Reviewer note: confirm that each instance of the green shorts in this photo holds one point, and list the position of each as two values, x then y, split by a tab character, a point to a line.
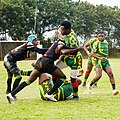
73	61
91	60
101	64
65	91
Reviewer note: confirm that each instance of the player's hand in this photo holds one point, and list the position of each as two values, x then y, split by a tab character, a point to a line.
89	54
103	59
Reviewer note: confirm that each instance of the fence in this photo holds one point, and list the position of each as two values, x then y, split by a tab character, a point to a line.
6	46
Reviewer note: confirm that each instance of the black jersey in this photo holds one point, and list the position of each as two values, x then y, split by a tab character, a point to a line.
51	52
23	51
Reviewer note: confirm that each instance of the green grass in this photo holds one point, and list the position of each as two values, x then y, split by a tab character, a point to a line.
101	105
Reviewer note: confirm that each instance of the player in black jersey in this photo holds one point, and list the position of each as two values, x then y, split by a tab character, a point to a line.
45	64
19	53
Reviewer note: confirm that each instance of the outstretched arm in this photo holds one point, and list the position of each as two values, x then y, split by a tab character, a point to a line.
70	51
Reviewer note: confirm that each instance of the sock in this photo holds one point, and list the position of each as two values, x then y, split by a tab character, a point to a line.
19	88
26	73
91	83
75	94
86	76
95	83
9	82
16	82
75	88
113	86
57	84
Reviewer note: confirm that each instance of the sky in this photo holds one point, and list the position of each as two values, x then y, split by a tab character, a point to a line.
111	3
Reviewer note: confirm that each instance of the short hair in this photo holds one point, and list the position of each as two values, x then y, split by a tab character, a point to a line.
101	32
66	24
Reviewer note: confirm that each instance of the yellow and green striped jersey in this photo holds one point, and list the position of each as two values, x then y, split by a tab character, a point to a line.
101	48
91	42
71	40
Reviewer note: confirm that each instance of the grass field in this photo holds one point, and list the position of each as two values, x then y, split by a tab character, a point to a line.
101	105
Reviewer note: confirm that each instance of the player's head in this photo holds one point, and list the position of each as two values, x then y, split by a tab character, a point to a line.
101	36
65	27
66	24
33	39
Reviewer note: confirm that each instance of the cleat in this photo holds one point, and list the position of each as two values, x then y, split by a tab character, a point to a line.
84	84
10	98
15	98
89	88
50	97
115	92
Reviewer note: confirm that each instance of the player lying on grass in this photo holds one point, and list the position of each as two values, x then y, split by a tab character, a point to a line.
64	92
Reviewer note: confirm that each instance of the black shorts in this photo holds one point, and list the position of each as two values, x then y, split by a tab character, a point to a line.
45	65
10	65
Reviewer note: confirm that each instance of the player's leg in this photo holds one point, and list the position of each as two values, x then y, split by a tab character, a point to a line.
95	79
10	75
87	73
33	76
18	77
9	82
75	64
25	73
60	64
12	69
61	78
75	84
45	85
54	78
90	64
109	72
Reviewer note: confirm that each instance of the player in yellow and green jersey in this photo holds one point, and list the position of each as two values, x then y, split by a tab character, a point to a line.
45	84
91	60
100	52
74	60
64	92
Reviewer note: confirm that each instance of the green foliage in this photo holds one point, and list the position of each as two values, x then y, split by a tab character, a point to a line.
20	17
101	105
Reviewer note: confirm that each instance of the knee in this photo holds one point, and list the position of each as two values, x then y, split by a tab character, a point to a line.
98	76
110	74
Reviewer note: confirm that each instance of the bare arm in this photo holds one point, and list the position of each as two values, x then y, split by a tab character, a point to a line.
86	49
100	58
70	51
